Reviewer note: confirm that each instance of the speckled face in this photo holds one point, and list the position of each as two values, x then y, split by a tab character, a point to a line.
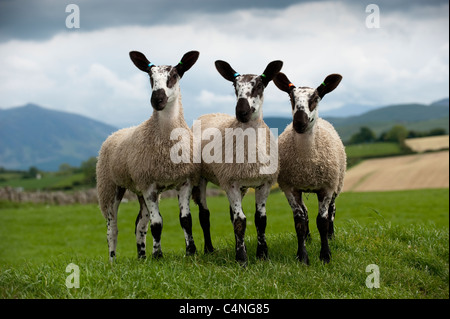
304	102
164	80
249	93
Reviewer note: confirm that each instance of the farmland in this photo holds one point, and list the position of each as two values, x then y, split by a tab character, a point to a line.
430	170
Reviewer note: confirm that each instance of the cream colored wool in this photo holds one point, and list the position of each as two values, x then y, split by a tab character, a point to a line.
312	161
136	157
247	174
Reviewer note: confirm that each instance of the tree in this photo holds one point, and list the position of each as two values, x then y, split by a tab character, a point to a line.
397	133
365	135
88	169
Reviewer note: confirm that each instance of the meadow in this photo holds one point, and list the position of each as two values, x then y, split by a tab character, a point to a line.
404	233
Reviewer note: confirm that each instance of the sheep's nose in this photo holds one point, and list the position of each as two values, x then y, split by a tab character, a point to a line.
243	111
300	121
158	99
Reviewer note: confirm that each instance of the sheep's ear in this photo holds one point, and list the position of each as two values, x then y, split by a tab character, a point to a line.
226	70
140	61
329	84
283	83
187	61
271	70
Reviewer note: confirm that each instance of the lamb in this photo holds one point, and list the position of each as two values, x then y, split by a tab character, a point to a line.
235	177
138	159
312	160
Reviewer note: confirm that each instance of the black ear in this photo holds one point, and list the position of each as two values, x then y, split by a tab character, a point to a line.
140	61
283	83
329	84
271	70
226	70
187	61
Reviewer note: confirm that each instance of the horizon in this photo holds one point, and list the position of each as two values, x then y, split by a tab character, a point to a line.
288	116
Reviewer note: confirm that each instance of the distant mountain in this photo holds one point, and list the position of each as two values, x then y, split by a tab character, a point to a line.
35	136
443	102
419	117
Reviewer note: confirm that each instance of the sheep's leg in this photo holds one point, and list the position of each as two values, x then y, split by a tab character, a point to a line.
151	198
323	224
199	196
239	222
261	194
294	198
112	230
141	228
184	195
299	197
331	214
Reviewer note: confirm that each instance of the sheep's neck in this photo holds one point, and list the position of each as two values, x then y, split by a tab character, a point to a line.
306	140
171	116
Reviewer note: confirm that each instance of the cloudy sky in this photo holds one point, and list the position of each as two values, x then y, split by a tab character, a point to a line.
87	70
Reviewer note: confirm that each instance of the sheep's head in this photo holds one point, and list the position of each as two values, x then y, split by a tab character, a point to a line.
164	79
249	88
305	100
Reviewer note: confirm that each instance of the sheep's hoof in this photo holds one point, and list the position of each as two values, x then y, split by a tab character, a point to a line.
208	249
325	256
157	254
191	250
262	252
142	257
241	257
302	256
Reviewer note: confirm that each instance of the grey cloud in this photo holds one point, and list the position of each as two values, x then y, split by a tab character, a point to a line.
40	20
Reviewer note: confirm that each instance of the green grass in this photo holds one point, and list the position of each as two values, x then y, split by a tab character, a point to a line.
405	233
373	150
48	181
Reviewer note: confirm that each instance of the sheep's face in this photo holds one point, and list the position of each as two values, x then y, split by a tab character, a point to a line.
165	86
249	88
305	100
304	103
250	97
164	79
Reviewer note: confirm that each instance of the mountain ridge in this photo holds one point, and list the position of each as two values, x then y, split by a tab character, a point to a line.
32	135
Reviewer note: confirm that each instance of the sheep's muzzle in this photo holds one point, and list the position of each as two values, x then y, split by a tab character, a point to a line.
243	110
158	99
300	122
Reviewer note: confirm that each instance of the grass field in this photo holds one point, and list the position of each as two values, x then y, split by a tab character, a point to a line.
405	233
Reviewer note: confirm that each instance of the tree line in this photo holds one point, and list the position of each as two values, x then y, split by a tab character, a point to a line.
397	134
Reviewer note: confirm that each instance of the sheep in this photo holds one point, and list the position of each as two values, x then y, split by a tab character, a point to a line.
235	177
138	159
312	160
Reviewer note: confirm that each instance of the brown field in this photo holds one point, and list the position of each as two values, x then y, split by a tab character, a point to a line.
428	170
430	143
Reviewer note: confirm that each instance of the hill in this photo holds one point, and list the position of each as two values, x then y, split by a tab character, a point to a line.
418	117
35	136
